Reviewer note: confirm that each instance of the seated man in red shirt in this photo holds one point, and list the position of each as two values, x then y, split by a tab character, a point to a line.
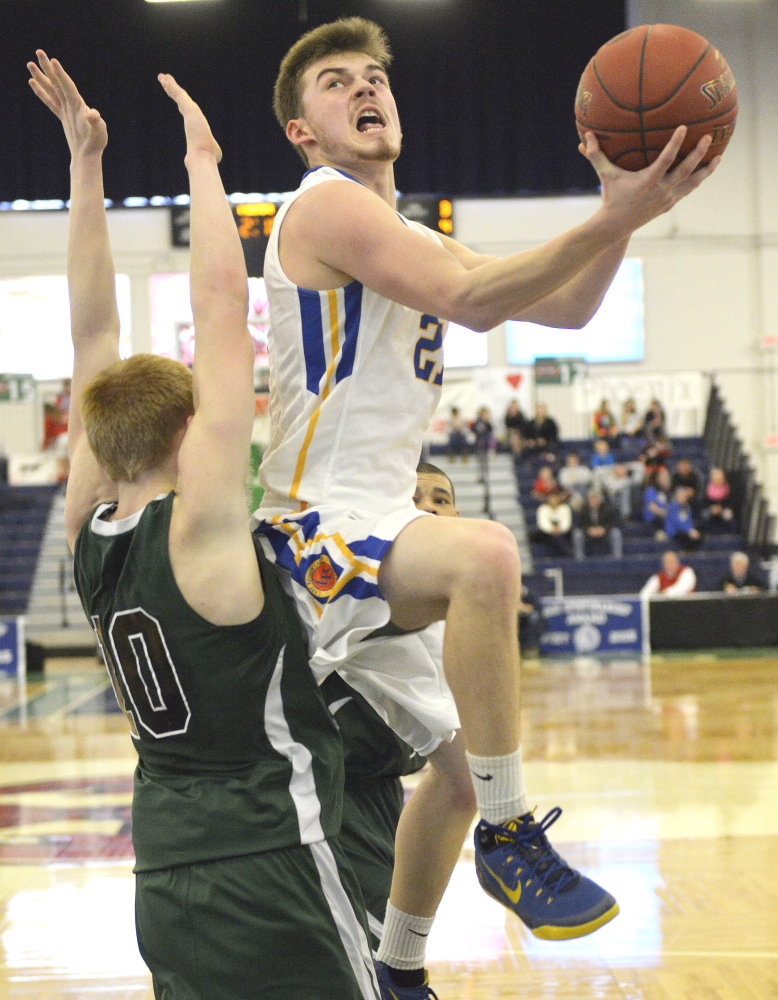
673	579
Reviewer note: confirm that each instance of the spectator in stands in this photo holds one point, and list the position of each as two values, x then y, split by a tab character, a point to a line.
597	529
457	436
656	455
679	521
654	422
554	524
656	499
515	424
575	480
630	424
602	456
545	483
686	475
530	622
741	579
672	580
542	434
617	482
483	431
717	512
604	423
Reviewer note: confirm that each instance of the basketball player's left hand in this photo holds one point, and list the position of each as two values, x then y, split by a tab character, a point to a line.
642	195
199	138
84	128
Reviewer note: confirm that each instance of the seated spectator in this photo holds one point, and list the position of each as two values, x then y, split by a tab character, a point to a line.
597	529
602	456
717	512
655	455
544	484
673	578
617	482
679	521
686	475
483	431
542	434
530	622
654	422
630	424
604	423
575	479
554	524
457	436
515	424
741	579
656	499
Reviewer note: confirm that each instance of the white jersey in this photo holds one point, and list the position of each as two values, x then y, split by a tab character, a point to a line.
354	381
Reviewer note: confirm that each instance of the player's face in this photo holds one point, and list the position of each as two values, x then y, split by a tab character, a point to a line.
349	112
433	494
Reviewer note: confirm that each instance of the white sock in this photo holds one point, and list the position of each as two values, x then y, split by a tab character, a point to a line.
404	940
499	786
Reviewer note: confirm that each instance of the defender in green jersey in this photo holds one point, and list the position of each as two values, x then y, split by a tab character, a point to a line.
375	760
241	893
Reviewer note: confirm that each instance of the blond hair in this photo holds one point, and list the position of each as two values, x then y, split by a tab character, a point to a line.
132	412
349	34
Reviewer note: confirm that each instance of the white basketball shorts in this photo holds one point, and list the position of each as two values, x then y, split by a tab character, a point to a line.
330	558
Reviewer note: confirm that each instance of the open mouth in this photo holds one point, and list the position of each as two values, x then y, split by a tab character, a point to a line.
369	121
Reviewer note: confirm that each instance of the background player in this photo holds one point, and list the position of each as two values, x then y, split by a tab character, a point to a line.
358	300
238	892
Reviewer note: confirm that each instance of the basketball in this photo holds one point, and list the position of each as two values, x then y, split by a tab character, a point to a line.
644	83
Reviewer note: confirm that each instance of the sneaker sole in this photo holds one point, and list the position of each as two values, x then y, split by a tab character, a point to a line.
551	933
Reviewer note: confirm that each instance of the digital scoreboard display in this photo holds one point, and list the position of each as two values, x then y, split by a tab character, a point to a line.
255	223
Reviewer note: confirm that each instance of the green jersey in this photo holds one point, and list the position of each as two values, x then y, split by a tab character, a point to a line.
237	751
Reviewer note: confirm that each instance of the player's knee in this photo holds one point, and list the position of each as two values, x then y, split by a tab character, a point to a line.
490	560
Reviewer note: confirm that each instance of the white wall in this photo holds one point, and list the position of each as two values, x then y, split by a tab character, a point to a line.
710	265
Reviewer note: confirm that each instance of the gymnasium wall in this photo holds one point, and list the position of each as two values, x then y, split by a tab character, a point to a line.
710	265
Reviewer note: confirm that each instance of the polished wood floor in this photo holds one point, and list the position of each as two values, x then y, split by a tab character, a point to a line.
667	773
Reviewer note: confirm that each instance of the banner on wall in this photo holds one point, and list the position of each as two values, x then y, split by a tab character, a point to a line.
684	395
12	648
493	387
582	626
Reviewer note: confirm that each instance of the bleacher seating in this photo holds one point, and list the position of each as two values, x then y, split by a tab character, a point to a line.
24	511
606	575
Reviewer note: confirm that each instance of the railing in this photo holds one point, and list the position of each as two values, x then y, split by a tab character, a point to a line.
757	524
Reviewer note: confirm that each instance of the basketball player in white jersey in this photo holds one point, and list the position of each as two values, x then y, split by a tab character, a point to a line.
359	300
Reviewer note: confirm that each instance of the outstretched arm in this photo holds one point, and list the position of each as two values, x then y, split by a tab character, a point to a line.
346	231
94	318
214	455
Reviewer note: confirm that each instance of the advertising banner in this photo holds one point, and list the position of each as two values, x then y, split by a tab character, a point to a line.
582	626
12	649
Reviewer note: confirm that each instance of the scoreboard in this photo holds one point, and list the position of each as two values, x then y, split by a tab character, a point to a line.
255	223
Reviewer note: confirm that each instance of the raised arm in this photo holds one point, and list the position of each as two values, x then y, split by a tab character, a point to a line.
214	455
94	318
352	233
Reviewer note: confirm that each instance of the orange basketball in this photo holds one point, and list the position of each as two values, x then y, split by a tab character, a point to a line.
644	83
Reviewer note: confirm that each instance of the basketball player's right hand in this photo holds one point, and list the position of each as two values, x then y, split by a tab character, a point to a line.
199	138
635	197
84	128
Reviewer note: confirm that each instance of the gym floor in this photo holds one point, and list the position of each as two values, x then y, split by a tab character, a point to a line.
667	772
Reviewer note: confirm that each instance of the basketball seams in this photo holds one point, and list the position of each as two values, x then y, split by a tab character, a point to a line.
659	128
641	68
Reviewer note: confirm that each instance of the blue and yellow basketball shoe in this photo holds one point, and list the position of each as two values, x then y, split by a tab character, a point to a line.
520	869
389	991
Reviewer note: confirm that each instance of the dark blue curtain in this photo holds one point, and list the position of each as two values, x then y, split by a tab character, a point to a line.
485	89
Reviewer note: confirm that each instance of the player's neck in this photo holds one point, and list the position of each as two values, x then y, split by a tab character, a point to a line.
134	496
377	175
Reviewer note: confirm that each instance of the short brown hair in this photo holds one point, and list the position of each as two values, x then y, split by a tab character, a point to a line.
132	411
349	34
